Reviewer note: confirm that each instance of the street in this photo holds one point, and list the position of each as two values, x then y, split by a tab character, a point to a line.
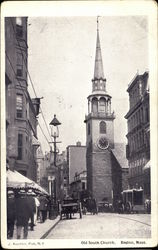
103	225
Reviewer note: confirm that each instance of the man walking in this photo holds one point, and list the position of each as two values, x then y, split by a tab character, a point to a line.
10	213
32	207
22	214
43	208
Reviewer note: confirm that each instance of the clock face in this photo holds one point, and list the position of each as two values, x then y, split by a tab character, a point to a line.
103	143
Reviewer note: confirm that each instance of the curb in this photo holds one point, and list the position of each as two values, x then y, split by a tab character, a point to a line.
50	229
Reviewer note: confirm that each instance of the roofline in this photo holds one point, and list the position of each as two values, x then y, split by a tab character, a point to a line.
133	81
99	94
76	146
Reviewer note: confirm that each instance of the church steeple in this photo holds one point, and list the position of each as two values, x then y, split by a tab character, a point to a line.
98	80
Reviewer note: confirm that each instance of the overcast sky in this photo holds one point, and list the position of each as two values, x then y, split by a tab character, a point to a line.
61	58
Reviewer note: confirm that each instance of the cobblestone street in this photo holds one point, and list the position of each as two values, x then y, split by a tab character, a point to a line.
105	226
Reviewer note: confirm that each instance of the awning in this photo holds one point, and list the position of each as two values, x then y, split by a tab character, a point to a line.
17	180
147	166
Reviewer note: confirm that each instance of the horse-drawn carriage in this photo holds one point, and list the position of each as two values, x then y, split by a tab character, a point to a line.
132	201
69	207
89	205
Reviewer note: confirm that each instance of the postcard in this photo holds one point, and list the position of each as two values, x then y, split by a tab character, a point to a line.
78	124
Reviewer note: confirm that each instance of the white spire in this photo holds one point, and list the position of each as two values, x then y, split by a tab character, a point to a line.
98	68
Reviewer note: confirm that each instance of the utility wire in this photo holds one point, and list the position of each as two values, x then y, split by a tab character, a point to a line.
24	93
44	134
30	78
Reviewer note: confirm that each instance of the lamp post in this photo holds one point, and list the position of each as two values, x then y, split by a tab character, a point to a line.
54	133
53	168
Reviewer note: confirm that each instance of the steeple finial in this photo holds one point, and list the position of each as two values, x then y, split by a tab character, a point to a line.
98	23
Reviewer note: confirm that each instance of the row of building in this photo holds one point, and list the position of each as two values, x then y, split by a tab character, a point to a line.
102	168
21	110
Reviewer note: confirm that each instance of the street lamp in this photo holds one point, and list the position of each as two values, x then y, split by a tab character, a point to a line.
55	133
53	173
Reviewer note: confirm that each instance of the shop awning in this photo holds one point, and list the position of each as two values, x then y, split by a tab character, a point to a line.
17	180
147	166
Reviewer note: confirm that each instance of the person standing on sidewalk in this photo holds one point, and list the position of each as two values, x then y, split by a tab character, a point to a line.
37	203
43	208
10	213
32	207
22	214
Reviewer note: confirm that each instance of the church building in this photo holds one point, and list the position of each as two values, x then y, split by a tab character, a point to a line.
104	170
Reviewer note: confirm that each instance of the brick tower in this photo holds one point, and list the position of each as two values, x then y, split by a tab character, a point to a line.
99	133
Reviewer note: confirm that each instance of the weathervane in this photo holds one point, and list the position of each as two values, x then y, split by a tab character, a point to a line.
98	22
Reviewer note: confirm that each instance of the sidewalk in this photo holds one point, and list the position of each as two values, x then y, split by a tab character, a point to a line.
41	230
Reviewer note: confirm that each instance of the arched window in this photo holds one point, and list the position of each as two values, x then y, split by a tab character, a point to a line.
102	105
102	127
94	105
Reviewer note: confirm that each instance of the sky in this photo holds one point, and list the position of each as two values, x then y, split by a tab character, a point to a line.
61	58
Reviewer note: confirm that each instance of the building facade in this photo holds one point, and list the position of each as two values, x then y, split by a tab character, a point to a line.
55	179
40	165
104	172
76	160
78	188
138	136
21	110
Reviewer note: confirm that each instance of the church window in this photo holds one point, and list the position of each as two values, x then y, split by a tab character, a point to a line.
95	105
102	105
102	127
96	85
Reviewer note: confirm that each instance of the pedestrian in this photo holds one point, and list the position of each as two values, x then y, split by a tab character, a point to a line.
84	208
38	208
37	203
49	206
43	208
32	207
22	213
10	213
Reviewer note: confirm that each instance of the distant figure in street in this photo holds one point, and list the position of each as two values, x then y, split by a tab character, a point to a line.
84	208
22	214
32	207
120	206
37	203
10	213
43	208
49	206
92	205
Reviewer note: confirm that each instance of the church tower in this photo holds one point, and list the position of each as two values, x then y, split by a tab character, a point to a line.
99	133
